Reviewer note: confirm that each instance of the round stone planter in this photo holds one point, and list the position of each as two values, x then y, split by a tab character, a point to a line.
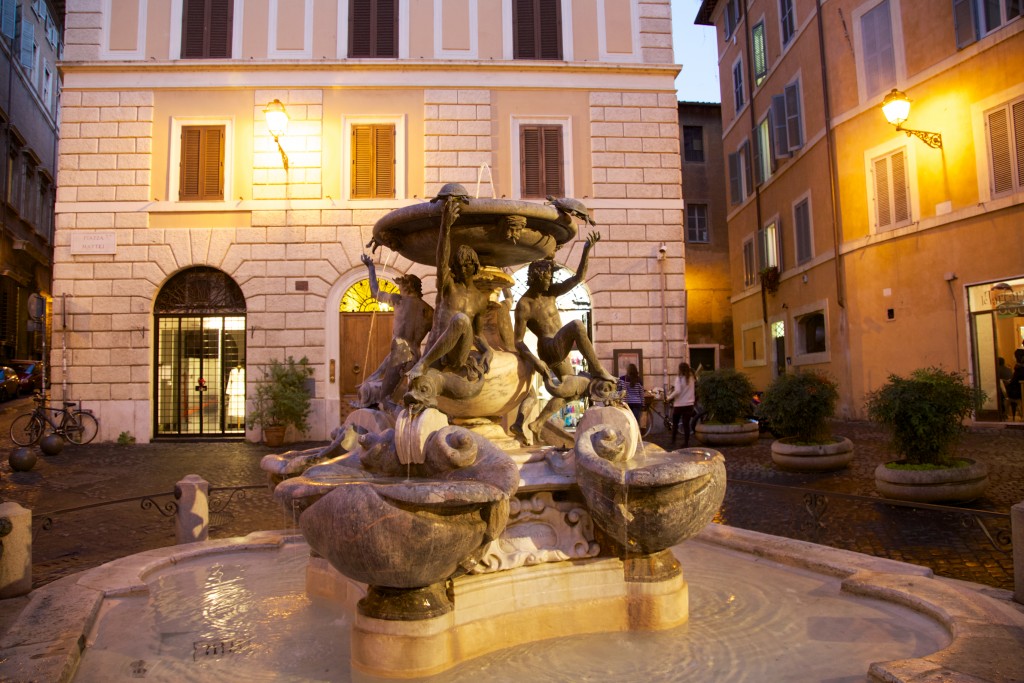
812	457
954	484
735	434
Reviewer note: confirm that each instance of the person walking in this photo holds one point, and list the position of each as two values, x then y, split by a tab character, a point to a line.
682	396
634	388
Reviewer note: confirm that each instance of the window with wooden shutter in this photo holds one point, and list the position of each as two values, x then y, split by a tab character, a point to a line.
1005	129
206	29
749	266
737	85
373	28
537	26
202	163
541	158
760	53
892	191
735	179
963	23
877	49
787	20
373	161
802	230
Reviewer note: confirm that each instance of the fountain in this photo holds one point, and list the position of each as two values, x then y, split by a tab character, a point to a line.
447	500
441	535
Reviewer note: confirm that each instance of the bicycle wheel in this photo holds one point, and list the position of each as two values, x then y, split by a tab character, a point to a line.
26	429
81	427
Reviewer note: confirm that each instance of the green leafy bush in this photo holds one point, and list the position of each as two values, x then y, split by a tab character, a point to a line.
924	413
800	405
725	394
281	397
125	439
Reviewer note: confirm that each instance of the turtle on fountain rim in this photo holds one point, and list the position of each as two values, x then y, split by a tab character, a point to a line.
573	207
456	190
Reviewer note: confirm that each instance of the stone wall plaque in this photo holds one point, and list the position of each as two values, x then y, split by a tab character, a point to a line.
94	242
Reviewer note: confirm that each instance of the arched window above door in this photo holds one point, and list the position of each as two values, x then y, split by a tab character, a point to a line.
200	289
358	299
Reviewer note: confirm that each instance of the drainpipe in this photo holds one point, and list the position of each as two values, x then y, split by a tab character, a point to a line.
664	316
837	216
749	68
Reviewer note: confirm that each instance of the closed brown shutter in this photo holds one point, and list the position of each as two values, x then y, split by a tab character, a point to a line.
202	163
883	212
538	29
219	34
373	161
373	28
552	136
900	190
206	29
541	160
529	145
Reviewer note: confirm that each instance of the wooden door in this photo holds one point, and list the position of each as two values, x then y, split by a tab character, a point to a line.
365	342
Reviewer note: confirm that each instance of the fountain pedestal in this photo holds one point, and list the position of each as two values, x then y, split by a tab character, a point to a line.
499	610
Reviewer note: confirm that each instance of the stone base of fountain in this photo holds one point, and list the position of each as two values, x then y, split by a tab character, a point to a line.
504	609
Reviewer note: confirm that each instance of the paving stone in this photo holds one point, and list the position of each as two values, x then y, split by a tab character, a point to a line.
949	541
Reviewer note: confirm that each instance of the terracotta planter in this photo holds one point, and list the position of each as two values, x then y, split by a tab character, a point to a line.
273	436
953	484
735	434
812	457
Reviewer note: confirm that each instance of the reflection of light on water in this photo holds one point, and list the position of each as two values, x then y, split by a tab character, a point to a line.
245	616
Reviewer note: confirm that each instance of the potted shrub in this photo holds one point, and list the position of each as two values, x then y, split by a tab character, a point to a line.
281	399
800	407
725	396
925	415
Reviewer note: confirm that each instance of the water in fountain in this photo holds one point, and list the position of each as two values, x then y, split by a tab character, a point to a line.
245	616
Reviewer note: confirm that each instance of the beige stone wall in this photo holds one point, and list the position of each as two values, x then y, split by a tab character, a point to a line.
289	233
457	137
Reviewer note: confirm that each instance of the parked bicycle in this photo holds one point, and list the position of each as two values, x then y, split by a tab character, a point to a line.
647	414
75	425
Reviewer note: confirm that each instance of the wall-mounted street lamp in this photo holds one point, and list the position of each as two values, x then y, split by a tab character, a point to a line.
277	124
896	107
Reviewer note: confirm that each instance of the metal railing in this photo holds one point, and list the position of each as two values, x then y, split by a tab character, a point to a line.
961	542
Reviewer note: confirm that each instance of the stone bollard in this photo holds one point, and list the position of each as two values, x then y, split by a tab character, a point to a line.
193	518
1017	539
16	556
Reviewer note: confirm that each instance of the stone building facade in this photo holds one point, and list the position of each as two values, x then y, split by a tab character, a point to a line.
190	244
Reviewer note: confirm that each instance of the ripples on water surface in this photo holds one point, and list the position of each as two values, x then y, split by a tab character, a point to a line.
245	617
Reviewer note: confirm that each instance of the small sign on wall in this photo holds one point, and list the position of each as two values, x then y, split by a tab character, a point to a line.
94	242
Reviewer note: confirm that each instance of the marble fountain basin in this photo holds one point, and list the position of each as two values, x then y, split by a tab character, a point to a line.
763	608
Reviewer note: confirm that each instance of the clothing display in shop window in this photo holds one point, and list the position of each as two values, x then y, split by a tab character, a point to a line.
235	391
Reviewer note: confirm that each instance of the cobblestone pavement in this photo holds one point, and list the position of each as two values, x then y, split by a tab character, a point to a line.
760	497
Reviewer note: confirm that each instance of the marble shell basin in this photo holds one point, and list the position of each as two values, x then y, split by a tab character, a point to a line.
399	532
654	500
412	231
401	535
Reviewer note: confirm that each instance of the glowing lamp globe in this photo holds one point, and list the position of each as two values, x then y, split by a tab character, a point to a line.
896	107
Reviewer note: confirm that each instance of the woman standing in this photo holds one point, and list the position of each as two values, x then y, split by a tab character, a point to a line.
682	397
634	388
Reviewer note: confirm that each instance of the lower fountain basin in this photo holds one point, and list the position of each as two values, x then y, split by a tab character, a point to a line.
208	612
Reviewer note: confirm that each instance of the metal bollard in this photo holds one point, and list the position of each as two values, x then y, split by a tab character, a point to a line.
1017	539
15	550
192	522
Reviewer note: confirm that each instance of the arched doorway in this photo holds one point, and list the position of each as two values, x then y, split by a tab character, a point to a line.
200	355
365	333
